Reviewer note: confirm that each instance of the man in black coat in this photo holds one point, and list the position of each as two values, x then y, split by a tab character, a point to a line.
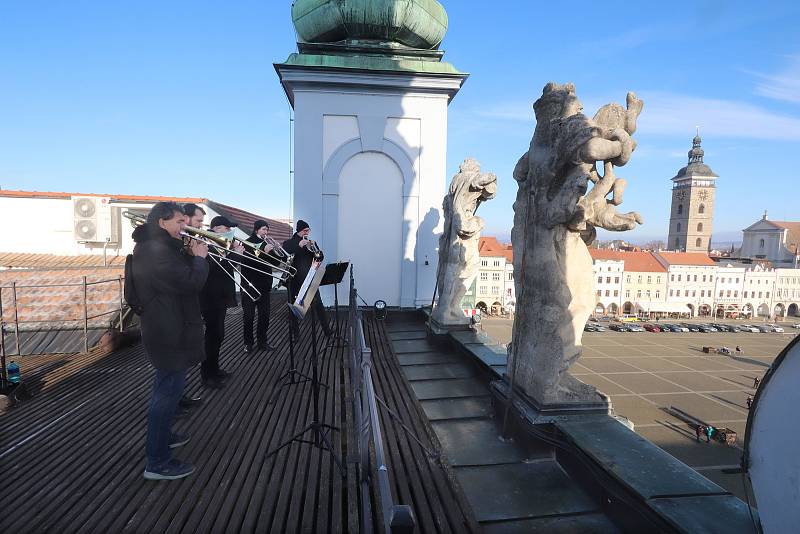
219	294
303	260
168	281
256	272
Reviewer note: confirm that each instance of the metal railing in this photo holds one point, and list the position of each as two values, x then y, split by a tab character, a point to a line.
396	518
81	323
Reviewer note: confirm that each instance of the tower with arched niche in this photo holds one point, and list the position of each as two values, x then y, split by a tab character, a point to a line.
692	212
370	94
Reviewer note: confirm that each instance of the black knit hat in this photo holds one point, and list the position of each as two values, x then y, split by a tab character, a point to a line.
301	225
259	224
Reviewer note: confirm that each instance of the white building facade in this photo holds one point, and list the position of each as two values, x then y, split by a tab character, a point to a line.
370	137
758	292
608	275
728	291
787	293
775	241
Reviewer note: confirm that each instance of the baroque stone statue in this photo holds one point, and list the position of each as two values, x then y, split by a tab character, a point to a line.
458	244
555	216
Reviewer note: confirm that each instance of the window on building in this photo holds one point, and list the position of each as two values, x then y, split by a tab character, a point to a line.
767	294
616	292
484	276
628	279
484	263
680	212
640	279
701	209
761	243
658	279
678	227
599	279
695	278
608	279
658	294
510	276
672	278
599	293
649	279
616	279
670	292
704	278
728	293
679	278
627	293
495	290
482	289
736	293
694	293
497	263
678	293
759	294
720	293
698	242
638	293
496	277
608	293
647	293
677	243
711	278
699	227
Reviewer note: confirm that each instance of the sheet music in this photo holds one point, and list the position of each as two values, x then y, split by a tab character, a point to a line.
301	295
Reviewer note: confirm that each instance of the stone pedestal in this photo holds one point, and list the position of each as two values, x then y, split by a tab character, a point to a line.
536	412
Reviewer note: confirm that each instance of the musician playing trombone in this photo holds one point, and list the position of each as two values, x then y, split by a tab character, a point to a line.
260	276
306	254
217	296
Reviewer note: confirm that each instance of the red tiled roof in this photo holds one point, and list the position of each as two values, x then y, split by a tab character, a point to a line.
490	246
637	262
793	234
48	304
279	230
18	260
125	198
686	258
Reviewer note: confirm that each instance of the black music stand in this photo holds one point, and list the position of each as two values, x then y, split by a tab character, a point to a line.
291	376
318	429
334	273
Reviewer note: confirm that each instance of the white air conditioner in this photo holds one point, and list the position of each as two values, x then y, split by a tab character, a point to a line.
91	219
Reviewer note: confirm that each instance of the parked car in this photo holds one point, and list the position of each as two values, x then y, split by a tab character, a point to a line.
593	319
629	319
589	328
605	318
635	328
734	328
722	327
750	328
764	329
776	328
706	329
796	325
651	327
619	327
690	327
598	328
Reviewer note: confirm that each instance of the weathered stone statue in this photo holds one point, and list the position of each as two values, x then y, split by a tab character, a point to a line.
458	244
554	218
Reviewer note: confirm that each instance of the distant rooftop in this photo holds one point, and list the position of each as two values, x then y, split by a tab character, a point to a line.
641	262
686	258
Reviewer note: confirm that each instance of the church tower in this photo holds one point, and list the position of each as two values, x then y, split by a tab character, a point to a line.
692	213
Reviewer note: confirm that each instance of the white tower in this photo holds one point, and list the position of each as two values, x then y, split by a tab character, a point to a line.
370	95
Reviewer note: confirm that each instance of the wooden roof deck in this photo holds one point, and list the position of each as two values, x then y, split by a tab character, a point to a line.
72	458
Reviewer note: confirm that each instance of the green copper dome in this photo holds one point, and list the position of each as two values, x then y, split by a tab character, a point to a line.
419	24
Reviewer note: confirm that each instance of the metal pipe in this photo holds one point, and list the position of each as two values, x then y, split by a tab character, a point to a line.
120	305
85	319
16	317
4	371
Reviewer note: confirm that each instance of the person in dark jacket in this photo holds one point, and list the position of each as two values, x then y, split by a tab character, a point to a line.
219	294
256	274
168	280
303	260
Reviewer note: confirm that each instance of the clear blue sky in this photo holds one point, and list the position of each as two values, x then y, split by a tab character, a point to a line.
180	97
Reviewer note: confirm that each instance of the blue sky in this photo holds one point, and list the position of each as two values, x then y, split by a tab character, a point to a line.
180	97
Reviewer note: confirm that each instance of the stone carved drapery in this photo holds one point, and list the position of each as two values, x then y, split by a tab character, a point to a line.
458	244
554	218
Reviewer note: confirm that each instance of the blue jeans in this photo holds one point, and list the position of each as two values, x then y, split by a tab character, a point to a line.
167	390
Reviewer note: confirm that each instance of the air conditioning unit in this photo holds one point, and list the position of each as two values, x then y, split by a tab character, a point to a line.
91	219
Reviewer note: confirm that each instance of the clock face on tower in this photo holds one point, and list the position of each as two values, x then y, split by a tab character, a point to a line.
682	195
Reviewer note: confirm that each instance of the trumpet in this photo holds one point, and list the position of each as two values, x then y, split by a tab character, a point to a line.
312	247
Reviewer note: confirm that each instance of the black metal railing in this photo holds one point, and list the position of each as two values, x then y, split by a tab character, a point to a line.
396	518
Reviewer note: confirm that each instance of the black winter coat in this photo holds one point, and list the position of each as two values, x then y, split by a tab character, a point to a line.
168	282
220	289
263	282
302	262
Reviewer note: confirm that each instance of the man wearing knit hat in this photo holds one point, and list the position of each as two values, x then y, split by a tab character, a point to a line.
255	271
303	260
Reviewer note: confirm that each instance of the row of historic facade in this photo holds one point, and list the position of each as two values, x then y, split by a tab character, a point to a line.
654	284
